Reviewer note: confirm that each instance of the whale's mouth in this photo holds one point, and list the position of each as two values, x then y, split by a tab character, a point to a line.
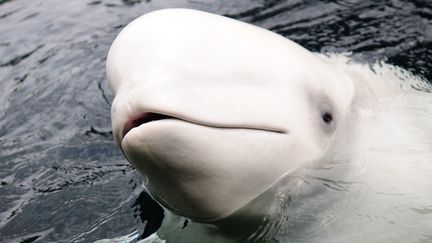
146	117
142	118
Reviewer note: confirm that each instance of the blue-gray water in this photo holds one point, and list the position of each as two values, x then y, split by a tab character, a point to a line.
62	179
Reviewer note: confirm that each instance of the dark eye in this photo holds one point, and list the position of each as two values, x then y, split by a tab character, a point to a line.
327	117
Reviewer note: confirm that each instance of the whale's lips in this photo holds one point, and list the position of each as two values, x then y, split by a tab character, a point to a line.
142	118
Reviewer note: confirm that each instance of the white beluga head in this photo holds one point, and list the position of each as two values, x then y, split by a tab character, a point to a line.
213	111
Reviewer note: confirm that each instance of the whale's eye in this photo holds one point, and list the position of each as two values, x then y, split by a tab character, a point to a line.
327	117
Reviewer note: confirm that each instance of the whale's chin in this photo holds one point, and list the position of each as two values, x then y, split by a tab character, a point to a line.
186	172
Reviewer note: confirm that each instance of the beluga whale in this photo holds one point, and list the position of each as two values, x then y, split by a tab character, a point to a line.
251	137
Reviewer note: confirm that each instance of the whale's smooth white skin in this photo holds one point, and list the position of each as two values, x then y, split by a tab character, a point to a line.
246	107
246	139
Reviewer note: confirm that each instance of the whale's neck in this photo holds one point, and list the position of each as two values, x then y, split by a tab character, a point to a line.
257	221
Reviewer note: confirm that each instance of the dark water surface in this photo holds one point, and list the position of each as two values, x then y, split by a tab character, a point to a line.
62	179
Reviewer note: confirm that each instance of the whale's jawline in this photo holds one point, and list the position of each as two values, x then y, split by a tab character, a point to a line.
143	118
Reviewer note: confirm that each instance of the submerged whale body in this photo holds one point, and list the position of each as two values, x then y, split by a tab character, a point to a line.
253	137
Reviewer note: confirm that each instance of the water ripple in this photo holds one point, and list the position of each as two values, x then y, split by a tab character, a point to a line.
58	160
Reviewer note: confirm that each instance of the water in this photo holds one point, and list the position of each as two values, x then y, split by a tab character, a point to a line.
62	179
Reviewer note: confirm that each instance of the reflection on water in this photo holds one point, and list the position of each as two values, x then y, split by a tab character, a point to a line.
61	176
